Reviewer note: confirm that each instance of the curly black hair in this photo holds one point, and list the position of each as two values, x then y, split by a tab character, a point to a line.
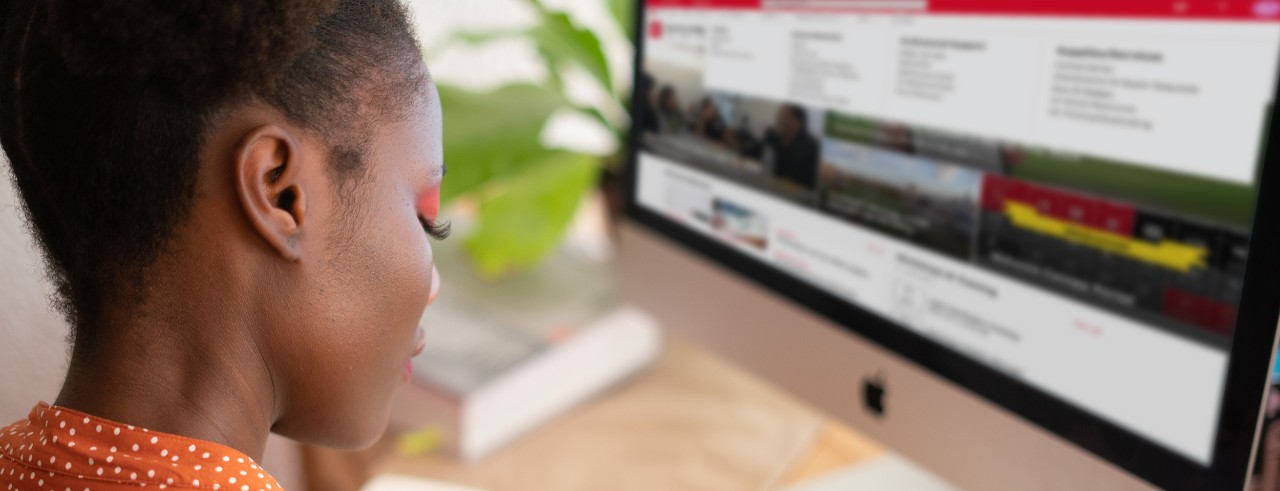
104	104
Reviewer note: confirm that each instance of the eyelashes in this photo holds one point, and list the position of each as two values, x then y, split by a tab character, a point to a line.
437	231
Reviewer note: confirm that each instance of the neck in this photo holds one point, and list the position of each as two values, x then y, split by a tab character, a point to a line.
188	370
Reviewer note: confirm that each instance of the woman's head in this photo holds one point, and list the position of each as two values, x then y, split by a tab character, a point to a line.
271	164
667	98
708	108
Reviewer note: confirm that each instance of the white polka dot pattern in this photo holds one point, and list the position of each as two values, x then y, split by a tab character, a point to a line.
57	448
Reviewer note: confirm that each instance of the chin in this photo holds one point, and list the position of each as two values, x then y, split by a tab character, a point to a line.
368	439
341	433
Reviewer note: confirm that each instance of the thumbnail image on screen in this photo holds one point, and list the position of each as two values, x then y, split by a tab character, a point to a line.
1164	248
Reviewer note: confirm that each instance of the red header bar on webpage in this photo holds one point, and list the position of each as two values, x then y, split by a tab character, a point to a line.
1162	9
706	4
1267	10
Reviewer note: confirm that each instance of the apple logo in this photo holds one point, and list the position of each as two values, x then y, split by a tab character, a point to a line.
873	389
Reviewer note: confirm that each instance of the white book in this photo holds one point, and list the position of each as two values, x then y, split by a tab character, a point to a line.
391	482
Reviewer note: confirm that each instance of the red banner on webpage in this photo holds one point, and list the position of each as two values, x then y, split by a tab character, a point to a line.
1267	10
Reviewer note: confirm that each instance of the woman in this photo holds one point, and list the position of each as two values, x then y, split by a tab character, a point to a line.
230	197
710	125
670	115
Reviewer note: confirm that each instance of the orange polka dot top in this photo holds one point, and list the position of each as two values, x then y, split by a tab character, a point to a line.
57	449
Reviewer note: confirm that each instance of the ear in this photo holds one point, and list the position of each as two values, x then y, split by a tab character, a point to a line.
267	169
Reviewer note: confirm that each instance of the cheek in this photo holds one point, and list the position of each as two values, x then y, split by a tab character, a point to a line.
411	259
377	319
397	286
403	278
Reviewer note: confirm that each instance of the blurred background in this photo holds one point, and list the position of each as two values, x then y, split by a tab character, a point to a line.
534	95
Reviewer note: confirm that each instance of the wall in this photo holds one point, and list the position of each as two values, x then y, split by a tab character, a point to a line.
33	349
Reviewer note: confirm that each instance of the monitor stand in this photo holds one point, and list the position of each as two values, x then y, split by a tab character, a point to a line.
889	471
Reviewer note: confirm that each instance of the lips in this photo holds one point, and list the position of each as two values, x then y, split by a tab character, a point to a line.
419	342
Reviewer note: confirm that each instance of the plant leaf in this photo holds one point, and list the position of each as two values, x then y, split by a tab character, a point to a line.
518	227
493	134
596	114
560	40
623	12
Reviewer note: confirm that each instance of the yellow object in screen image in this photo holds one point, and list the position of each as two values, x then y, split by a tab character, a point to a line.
1166	253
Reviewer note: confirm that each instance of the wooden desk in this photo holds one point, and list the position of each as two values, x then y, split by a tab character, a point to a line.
691	422
837	446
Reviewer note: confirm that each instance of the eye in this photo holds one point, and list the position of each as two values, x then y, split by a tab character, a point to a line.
437	231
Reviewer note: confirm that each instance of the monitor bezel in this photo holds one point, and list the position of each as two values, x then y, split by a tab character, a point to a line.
1248	364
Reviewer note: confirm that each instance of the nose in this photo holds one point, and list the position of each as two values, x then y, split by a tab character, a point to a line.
435	285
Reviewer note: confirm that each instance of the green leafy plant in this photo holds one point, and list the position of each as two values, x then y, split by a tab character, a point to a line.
525	192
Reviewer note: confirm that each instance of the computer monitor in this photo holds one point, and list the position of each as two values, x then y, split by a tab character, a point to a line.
1024	243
